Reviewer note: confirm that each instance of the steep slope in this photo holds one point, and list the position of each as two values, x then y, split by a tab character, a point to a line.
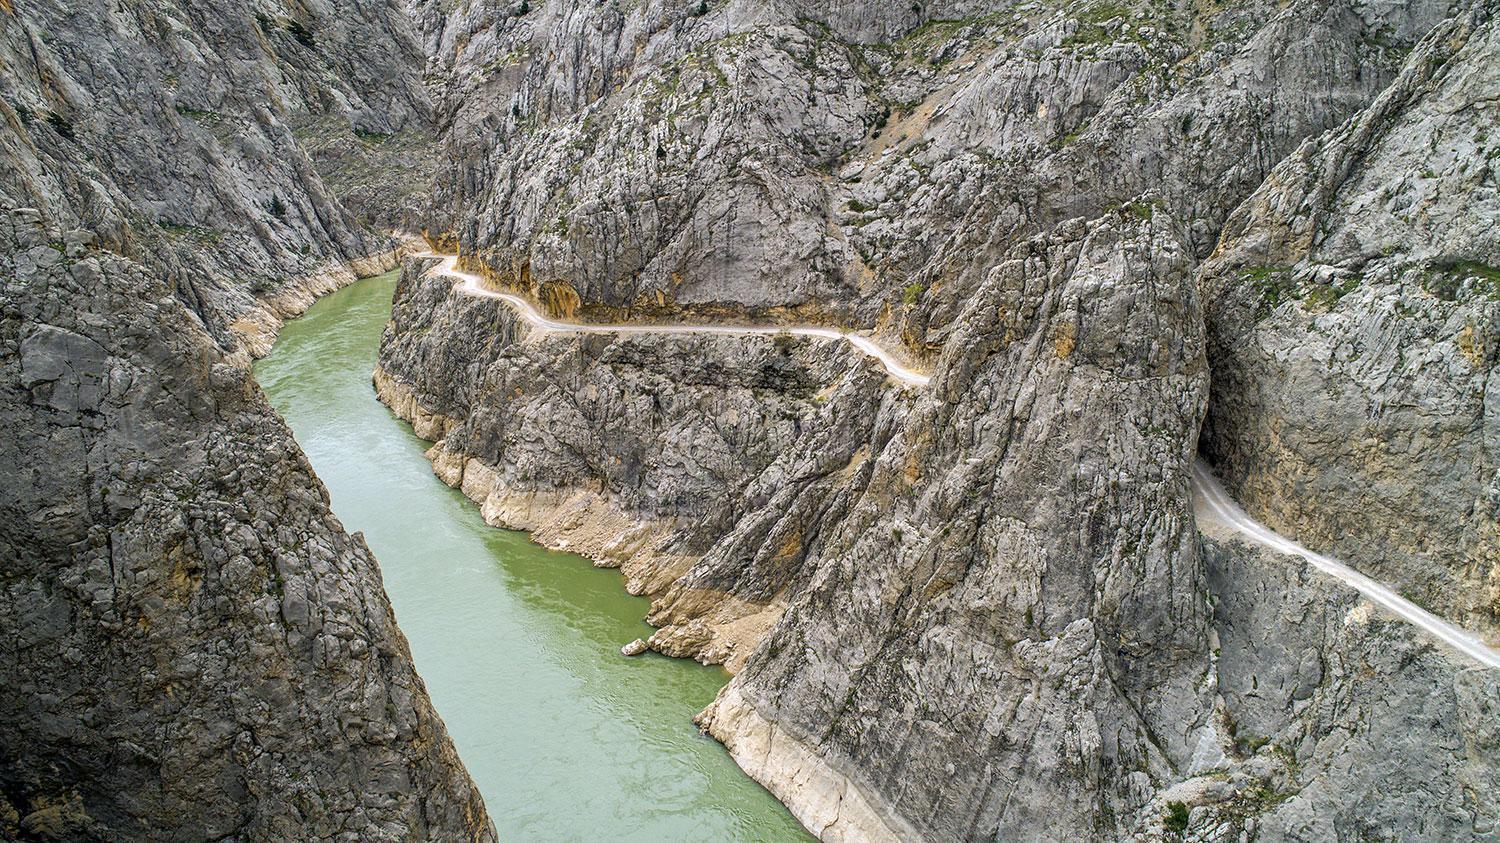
1355	333
980	610
191	137
193	646
754	158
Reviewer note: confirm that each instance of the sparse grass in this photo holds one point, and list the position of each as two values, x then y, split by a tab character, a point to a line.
203	118
1092	22
1275	283
1322	297
1139	210
1449	281
1063	140
198	232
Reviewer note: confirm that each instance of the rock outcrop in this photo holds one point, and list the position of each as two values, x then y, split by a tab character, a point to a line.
1355	335
1343	723
194	648
195	139
984	610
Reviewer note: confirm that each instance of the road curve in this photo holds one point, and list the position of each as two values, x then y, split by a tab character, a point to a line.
1218	505
1213	499
473	285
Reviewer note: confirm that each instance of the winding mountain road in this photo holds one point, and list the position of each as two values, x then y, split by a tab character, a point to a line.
1214	502
473	285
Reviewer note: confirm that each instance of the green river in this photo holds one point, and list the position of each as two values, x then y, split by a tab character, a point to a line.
519	646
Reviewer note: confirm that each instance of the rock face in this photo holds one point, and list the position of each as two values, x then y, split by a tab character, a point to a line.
980	610
767	157
985	610
195	138
1351	725
1356	331
193	648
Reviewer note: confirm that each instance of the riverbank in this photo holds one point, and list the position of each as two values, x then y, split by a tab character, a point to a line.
518	645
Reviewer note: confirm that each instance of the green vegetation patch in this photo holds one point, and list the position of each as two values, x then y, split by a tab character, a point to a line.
197	232
1277	285
1462	279
912	292
1092	24
1141	210
371	137
1176	819
207	119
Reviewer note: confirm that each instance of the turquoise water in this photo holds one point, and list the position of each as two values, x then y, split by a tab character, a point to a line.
519	646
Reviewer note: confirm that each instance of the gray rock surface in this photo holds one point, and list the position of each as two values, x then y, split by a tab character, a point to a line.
194	139
1355	334
980	611
192	647
1345	723
647	159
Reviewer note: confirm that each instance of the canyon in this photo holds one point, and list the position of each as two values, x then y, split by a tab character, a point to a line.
967	379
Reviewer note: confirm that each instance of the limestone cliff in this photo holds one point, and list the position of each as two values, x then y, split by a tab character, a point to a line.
1356	334
984	610
194	648
194	138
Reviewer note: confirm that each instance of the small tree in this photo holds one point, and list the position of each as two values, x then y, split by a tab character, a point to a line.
1177	817
277	209
62	125
701	9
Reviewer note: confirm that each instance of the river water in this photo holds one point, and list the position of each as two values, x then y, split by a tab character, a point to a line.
519	646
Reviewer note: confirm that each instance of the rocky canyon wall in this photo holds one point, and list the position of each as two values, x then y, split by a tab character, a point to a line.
984	609
194	648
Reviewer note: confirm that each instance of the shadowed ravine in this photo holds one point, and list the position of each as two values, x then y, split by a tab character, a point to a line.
519	646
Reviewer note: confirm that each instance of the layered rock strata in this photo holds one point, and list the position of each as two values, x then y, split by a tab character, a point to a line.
194	647
982	610
1356	334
